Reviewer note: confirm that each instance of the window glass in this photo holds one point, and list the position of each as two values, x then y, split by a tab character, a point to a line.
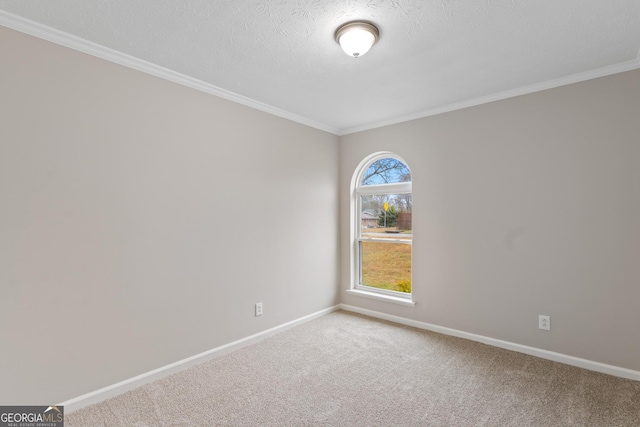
394	222
386	171
386	266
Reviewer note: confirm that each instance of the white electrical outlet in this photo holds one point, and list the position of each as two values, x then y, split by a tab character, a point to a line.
258	309
544	322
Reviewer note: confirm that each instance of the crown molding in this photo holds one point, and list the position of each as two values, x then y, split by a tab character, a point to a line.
550	84
44	32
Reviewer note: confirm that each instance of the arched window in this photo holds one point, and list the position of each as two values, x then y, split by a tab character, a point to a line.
382	234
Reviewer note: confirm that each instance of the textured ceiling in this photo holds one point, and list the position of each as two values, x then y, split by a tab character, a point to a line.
431	54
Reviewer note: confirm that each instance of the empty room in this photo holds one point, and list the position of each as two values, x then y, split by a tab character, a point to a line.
207	213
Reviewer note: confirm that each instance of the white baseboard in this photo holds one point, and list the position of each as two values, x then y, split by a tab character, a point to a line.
544	354
97	396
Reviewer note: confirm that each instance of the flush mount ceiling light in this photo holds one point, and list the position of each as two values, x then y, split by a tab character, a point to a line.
357	37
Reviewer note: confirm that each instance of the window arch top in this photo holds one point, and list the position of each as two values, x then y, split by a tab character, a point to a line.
387	170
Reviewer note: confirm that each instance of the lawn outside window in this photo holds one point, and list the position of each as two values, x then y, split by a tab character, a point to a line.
382	231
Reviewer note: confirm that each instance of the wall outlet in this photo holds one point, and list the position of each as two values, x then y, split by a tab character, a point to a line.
544	322
258	309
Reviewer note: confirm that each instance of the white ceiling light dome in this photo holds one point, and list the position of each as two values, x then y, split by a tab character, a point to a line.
357	37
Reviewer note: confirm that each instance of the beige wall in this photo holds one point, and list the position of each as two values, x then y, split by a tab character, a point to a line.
522	207
141	220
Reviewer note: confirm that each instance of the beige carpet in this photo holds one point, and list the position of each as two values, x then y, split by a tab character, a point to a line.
345	369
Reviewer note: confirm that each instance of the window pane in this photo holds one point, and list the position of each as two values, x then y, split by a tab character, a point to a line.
386	171
386	265
394	222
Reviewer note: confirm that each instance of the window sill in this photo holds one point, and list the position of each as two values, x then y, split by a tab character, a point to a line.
380	297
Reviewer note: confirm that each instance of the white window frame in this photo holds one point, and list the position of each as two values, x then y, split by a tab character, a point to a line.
357	190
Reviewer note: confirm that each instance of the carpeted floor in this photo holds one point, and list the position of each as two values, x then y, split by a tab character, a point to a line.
345	369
